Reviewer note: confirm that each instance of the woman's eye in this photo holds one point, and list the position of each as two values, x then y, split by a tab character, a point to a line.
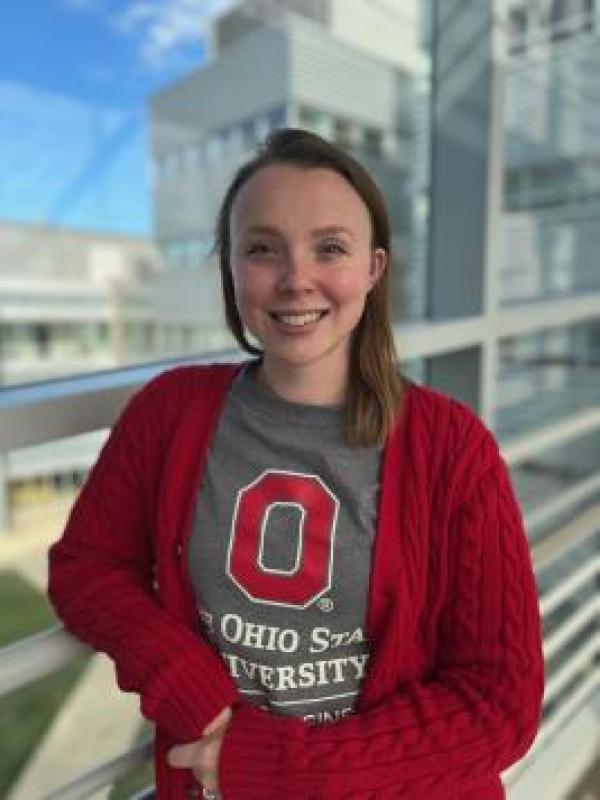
332	248
258	249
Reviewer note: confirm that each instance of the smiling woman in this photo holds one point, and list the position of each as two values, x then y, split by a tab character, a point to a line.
312	570
304	245
301	281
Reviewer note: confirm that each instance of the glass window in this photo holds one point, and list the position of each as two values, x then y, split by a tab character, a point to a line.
551	229
373	141
314	120
343	132
517	30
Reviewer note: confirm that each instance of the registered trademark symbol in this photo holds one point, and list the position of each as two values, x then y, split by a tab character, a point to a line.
207	619
326	604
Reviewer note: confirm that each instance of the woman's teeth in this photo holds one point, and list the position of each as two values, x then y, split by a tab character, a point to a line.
299	319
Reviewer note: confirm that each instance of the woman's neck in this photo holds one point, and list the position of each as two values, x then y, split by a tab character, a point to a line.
303	384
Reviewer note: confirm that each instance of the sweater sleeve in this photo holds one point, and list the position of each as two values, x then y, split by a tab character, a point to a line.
475	714
101	583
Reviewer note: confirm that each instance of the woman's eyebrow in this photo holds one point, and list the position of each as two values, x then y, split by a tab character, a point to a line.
330	229
327	230
262	229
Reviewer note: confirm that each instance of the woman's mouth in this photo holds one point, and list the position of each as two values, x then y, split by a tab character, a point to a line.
298	318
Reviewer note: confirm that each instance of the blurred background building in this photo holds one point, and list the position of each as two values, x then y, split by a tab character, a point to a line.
480	120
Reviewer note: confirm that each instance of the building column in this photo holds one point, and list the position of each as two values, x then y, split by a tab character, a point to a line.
467	45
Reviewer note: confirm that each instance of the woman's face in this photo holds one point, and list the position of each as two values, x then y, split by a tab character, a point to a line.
302	265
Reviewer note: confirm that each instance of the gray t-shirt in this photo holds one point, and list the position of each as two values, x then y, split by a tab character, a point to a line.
280	552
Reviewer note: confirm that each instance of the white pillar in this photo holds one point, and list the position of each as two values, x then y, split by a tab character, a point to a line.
466	168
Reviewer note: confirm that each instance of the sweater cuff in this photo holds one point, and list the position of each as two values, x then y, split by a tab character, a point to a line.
258	755
189	692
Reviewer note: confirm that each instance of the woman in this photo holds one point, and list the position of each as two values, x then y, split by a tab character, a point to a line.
313	571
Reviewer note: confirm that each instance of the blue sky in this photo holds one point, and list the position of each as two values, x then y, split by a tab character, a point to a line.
75	76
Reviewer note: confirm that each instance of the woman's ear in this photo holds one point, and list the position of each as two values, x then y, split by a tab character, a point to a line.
378	265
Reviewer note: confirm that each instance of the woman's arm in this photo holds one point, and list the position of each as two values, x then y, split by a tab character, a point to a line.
101	581
476	715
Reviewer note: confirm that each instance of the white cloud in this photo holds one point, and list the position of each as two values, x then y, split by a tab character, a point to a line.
164	26
161	29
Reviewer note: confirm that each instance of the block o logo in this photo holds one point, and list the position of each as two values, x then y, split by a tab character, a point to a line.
311	575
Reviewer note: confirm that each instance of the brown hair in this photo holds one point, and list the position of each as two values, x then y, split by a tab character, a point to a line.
375	385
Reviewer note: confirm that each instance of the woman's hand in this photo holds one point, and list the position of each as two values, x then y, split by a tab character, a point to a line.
202	756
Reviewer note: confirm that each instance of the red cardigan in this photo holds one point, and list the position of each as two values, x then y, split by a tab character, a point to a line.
454	686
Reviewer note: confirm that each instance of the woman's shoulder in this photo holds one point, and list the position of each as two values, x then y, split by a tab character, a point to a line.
189	378
167	395
452	434
439	410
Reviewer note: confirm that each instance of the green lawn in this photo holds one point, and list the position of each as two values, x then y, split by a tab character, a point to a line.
26	713
24	610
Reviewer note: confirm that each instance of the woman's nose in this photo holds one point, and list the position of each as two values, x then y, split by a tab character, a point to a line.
297	273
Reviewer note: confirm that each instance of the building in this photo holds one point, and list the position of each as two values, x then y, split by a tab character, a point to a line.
74	302
310	64
62	297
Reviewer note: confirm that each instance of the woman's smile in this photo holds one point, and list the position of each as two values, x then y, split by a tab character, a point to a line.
298	320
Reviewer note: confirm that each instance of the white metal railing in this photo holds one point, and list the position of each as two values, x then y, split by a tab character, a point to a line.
561	503
555	598
37	656
583	616
580	695
104	775
50	410
86	403
581	661
578	669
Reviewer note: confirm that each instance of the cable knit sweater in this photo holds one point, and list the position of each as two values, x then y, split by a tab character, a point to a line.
453	689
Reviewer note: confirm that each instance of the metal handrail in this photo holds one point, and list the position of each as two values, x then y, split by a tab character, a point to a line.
550	510
571	627
553	599
551	725
36	656
36	413
77	404
579	661
103	775
146	794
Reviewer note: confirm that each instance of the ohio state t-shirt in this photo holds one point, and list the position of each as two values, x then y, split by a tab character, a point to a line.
280	552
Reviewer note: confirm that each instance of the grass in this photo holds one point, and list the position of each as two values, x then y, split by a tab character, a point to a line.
25	611
26	713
